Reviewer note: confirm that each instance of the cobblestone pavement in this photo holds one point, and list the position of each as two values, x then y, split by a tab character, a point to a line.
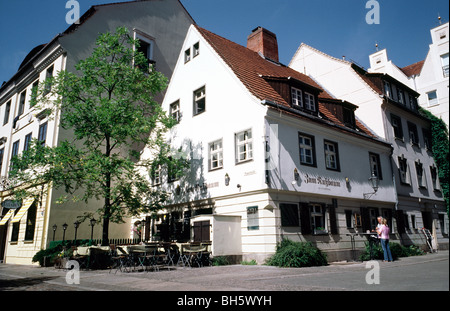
428	272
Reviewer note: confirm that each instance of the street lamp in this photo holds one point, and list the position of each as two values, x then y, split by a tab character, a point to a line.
64	231
375	183
54	231
76	224
92	223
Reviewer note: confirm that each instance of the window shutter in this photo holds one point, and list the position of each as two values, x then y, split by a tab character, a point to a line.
305	218
333	220
400	218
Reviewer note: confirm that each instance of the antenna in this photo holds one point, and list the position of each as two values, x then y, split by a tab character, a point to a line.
376	46
439	18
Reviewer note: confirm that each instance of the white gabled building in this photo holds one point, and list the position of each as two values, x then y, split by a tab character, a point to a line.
160	25
271	155
389	107
428	77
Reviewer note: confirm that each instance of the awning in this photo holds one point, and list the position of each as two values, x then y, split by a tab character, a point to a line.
26	205
6	217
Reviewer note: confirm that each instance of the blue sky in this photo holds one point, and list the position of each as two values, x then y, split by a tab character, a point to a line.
335	27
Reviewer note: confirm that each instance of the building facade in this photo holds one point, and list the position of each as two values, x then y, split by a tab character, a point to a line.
389	108
428	77
272	155
160	26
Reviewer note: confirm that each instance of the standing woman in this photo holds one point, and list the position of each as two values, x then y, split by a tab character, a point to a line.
383	231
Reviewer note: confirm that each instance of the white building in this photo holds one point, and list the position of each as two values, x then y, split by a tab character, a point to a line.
389	108
271	154
428	77
160	26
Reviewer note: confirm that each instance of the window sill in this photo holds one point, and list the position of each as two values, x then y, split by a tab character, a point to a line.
244	161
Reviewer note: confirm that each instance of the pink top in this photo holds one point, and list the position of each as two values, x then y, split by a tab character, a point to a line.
384	232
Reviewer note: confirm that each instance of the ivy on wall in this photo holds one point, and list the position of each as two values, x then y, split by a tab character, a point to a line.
440	141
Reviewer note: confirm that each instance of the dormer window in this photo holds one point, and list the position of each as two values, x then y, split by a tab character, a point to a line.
349	117
310	102
297	97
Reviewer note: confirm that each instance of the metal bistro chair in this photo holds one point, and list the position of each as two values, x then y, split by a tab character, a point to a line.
194	253
120	259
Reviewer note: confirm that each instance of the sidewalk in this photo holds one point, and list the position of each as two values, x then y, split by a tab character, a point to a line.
428	272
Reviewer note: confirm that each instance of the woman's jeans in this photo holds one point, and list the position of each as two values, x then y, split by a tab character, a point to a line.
386	250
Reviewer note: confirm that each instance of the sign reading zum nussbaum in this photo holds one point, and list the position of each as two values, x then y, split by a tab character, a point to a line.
12	204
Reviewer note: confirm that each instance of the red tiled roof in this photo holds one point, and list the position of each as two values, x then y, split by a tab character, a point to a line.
414	69
250	68
255	71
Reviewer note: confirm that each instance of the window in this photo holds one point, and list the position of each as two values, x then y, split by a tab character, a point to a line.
444	62
349	117
427	139
297	97
215	155
397	126
199	101
42	133
387	89
187	55
331	155
413	136
375	165
317	213
252	218
23	96
48	80
31	223
7	111
34	93
400	96
14	152
403	170
244	146
173	171
310	102
420	174
289	215
432	98
156	174
434	177
412	102
27	142
175	111
145	47
196	49
307	150
2	152
413	222
349	219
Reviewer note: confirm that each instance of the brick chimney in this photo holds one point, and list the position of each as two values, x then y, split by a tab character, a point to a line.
263	42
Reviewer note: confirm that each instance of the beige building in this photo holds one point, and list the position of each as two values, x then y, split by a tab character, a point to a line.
160	26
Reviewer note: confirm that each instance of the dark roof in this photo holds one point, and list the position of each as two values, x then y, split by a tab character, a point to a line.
32	53
255	72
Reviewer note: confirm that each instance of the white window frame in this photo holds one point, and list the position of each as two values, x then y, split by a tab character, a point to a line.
306	150
444	62
331	155
199	95
196	49
216	155
420	172
175	111
310	102
317	213
142	36
187	55
297	97
404	171
244	146
433	101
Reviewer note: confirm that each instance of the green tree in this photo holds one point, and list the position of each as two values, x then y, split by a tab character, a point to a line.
108	106
440	142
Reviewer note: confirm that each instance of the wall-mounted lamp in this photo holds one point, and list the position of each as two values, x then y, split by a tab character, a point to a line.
375	182
227	179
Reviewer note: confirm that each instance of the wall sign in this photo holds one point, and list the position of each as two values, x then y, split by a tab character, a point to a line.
12	204
325	181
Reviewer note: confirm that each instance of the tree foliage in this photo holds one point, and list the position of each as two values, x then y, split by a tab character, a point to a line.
108	106
440	142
